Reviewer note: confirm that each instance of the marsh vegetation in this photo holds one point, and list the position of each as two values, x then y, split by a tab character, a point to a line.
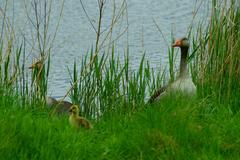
113	96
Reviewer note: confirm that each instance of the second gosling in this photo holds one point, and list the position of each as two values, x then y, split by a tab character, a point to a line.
76	121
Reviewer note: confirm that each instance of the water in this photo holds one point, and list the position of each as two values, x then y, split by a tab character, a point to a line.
75	35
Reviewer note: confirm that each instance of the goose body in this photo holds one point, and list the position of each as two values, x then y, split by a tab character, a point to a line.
61	107
183	83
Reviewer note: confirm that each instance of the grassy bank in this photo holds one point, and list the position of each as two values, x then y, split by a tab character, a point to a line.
179	129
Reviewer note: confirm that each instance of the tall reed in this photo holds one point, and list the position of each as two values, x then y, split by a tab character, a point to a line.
110	85
14	72
218	54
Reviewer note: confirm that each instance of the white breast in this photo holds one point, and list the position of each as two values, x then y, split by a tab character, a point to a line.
183	84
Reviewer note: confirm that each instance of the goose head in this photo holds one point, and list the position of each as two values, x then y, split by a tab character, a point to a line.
182	43
37	65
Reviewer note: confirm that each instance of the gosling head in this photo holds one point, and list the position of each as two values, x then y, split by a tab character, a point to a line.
74	110
182	43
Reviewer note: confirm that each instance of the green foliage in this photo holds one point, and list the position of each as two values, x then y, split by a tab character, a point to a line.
217	57
174	129
103	83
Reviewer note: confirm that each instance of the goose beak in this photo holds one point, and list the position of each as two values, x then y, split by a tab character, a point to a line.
32	66
177	43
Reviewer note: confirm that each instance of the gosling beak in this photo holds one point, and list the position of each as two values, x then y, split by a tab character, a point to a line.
70	110
177	43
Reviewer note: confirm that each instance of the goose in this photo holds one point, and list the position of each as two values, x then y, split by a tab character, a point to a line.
184	82
61	107
77	121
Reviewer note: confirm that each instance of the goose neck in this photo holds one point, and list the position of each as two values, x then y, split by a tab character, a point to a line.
183	61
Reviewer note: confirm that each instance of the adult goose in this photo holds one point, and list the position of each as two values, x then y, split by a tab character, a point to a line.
184	82
60	107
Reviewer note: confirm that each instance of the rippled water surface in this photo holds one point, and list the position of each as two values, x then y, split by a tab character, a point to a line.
75	35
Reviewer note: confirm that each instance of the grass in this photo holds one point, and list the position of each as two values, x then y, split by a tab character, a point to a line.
113	97
179	129
108	82
217	56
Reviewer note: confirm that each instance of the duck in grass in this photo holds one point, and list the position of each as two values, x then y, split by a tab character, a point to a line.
76	121
184	82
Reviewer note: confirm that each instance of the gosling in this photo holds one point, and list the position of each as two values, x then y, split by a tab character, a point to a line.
76	121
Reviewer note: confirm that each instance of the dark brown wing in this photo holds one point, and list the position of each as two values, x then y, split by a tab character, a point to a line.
157	94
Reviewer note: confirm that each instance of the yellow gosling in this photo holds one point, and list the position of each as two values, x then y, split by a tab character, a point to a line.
76	121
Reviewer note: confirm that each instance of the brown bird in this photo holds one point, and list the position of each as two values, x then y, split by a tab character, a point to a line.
183	82
76	121
60	107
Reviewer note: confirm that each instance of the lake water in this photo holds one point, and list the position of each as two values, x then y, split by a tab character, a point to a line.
76	36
